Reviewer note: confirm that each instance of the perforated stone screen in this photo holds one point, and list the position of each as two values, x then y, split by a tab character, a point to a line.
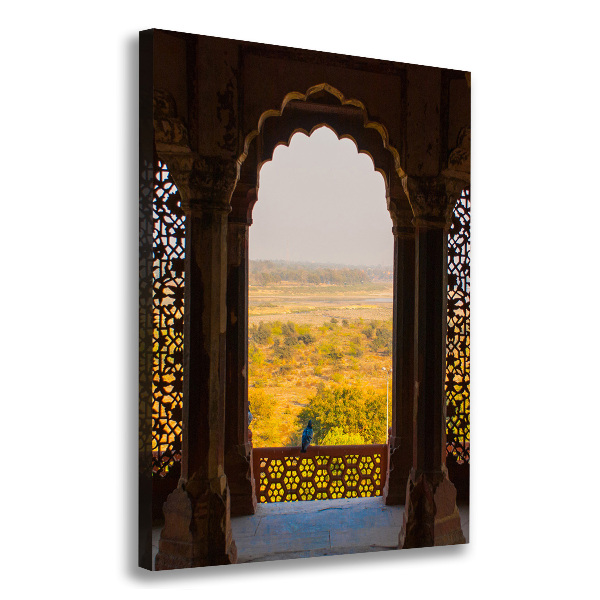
323	473
168	293
458	335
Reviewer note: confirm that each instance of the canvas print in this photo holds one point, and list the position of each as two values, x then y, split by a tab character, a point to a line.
304	303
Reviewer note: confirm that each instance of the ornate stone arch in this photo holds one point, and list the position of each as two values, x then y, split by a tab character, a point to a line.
323	105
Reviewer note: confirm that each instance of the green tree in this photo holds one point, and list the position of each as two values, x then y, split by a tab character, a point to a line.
355	410
337	437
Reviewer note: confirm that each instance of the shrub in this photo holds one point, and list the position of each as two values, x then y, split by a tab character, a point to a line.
331	352
355	350
307	339
261	334
282	352
284	369
290	341
255	355
383	341
288	329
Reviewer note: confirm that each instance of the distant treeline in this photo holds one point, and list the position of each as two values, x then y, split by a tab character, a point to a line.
265	272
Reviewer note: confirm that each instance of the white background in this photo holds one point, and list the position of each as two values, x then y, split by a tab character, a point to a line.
69	295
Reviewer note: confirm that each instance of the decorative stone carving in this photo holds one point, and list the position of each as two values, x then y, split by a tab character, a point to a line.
431	199
169	129
460	157
213	179
402	217
204	182
458	173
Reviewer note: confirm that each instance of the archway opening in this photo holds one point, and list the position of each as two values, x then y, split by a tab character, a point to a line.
320	296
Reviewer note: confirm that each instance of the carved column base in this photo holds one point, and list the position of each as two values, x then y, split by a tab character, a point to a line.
430	514
394	491
238	466
197	531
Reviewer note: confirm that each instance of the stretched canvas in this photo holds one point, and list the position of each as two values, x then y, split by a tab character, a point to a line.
304	303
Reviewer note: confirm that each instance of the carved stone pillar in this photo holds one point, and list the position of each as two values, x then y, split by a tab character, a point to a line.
401	438
430	515
238	448
197	529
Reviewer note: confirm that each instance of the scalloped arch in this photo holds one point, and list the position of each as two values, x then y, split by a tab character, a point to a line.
325	87
344	136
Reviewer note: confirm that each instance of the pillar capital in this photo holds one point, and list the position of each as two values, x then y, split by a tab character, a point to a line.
403	226
205	183
402	218
432	200
212	181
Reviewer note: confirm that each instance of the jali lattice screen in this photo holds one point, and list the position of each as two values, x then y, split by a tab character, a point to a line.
168	292
458	336
326	473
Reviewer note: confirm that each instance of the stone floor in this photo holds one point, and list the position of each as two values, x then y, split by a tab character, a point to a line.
319	528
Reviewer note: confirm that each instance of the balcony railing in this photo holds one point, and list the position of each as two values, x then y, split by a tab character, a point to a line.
322	473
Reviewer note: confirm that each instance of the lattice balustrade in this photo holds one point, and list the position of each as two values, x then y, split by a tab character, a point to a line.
458	336
168	293
322	473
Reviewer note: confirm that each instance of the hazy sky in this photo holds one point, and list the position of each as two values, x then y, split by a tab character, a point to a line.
320	200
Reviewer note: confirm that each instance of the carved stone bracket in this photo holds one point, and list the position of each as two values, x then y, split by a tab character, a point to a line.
403	226
459	161
204	182
432	199
213	179
402	219
169	129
